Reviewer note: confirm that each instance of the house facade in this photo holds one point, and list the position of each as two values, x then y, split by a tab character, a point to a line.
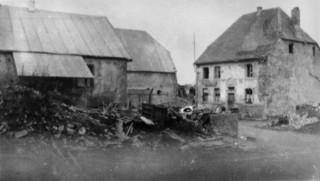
81	53
264	64
152	74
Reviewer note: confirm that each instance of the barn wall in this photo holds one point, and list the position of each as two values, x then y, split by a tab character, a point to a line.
8	73
164	87
110	80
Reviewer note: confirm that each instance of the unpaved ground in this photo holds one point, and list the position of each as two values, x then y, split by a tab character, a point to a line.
278	156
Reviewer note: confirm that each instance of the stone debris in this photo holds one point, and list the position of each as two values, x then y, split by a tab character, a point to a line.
304	115
21	134
26	111
298	121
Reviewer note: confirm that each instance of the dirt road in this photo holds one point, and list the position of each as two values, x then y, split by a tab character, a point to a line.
279	156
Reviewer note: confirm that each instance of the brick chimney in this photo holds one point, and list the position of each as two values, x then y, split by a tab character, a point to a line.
259	10
295	16
32	4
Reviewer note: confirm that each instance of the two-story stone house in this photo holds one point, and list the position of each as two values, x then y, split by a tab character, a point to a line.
264	64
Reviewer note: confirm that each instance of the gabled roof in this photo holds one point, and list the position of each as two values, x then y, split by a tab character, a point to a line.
41	31
252	36
147	53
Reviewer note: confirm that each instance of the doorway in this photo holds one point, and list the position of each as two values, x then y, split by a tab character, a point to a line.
231	99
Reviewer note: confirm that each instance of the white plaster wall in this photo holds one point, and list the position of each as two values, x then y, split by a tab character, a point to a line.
232	75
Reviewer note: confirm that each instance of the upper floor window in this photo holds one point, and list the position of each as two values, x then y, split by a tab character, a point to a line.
206	73
249	96
314	51
249	70
291	48
217	72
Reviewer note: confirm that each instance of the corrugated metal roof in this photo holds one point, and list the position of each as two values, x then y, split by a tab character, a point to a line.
147	53
42	65
252	36
58	33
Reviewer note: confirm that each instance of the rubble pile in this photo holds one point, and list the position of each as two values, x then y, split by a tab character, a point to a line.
25	111
296	121
304	115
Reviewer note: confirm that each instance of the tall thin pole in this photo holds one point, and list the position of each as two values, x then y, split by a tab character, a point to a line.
195	68
194	46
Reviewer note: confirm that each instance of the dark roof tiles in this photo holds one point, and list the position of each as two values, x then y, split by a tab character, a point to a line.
251	37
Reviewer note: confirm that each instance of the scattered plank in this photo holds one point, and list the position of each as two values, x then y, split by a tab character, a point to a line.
174	136
146	120
129	129
21	134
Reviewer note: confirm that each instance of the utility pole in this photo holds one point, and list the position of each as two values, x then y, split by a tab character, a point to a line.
194	47
195	69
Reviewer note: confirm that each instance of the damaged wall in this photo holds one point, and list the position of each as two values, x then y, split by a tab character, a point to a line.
164	87
110	77
290	78
109	82
279	84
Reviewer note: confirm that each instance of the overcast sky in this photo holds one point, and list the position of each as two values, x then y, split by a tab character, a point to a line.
173	22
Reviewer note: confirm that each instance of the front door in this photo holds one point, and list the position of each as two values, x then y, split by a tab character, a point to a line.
231	100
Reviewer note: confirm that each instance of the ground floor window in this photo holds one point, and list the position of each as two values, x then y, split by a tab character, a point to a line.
249	96
205	93
216	94
85	83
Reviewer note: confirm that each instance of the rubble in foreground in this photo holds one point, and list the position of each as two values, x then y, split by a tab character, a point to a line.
25	112
304	119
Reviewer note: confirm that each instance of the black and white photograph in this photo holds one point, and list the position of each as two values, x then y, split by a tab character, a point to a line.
159	90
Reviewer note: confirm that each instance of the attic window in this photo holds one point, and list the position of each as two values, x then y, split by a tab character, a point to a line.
217	72
291	48
314	51
249	70
206	73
